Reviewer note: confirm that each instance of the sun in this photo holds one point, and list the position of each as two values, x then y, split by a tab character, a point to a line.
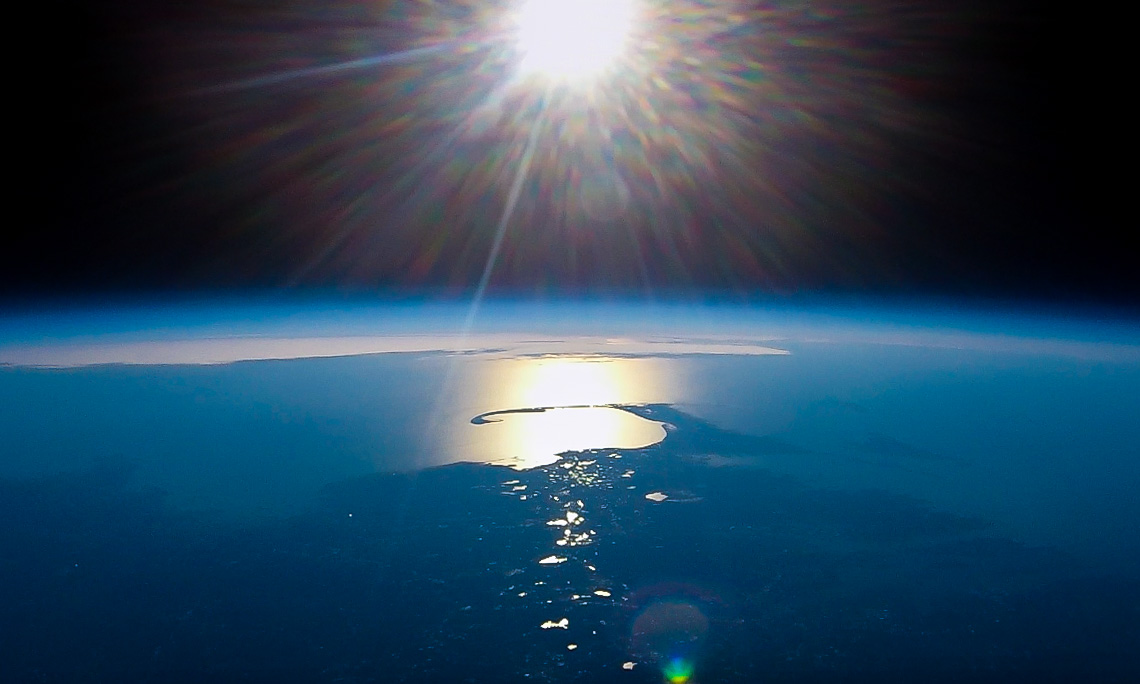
572	40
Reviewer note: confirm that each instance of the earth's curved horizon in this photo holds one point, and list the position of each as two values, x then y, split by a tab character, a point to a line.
709	493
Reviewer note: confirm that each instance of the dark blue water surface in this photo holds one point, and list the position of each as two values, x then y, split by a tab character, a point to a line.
849	511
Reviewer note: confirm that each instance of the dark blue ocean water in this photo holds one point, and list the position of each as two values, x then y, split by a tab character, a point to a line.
851	511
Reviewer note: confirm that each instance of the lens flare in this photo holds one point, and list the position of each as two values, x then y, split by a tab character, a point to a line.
670	632
678	671
572	40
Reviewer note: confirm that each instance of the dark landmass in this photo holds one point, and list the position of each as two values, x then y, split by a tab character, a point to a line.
484	418
435	577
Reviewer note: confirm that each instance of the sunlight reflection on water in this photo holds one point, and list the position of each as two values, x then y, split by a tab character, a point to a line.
577	394
531	439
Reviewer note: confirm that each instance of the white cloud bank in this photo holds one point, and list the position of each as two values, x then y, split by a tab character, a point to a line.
208	351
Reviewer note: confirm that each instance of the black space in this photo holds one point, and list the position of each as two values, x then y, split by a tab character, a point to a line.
110	193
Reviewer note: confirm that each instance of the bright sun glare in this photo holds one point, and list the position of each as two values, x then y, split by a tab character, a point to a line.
572	39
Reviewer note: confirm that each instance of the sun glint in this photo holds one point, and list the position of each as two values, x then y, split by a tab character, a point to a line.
572	39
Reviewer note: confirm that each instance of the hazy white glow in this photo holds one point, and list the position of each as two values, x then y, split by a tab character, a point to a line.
575	382
529	440
571	39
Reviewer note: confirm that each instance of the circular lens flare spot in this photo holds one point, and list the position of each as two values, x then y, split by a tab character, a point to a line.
678	671
670	632
570	40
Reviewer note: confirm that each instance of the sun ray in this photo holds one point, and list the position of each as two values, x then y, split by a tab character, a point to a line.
387	59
